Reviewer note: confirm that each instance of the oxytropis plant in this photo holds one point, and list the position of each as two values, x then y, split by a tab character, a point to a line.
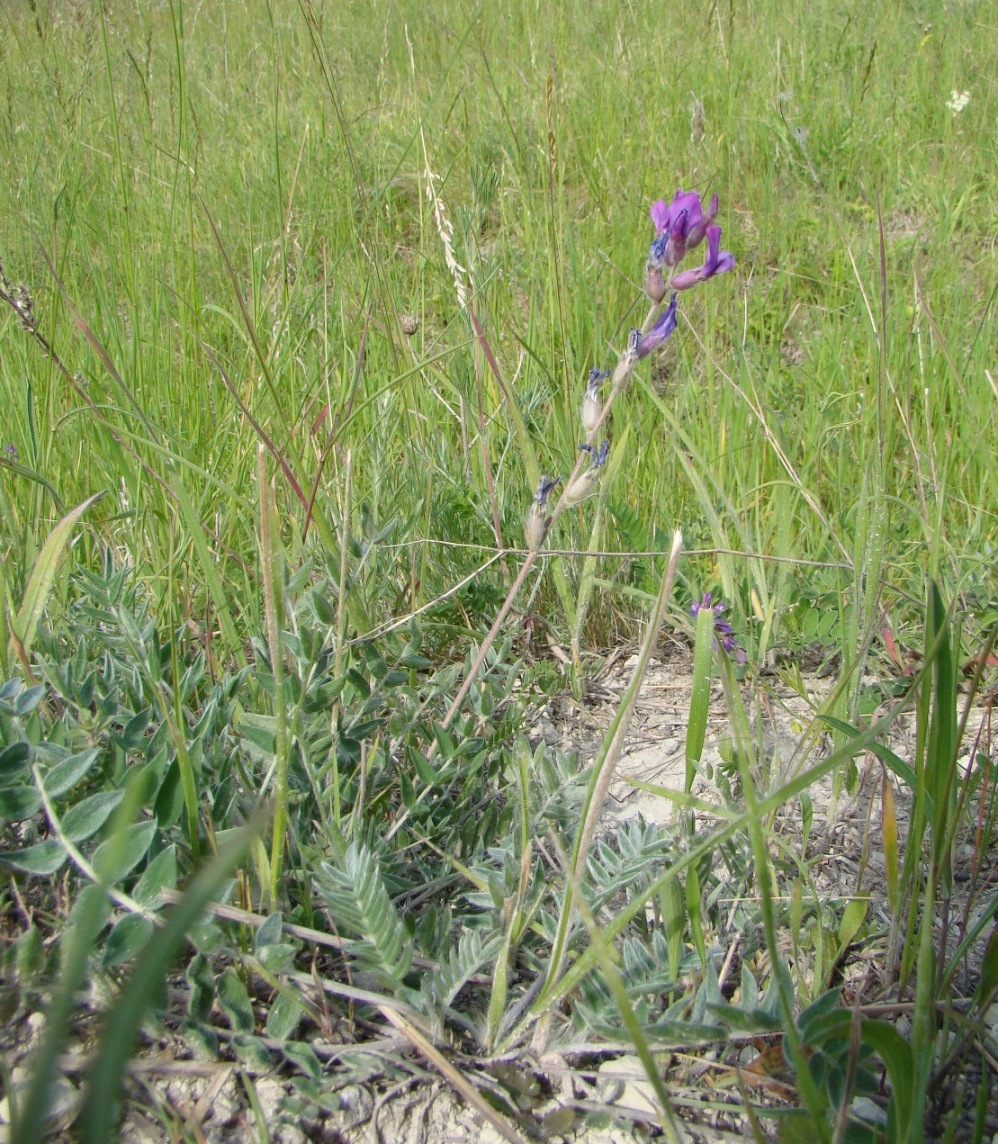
680	227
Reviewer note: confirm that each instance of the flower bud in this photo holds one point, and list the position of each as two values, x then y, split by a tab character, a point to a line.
585	483
592	409
583	486
538	518
655	284
535	527
628	360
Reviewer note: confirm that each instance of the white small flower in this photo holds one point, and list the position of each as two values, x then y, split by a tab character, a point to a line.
957	101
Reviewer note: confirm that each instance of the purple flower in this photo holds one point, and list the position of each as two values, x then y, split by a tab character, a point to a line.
664	325
723	632
682	224
716	262
10	454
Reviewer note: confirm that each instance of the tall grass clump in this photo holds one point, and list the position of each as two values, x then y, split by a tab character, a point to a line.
349	422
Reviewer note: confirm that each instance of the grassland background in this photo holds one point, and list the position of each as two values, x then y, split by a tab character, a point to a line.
240	187
279	223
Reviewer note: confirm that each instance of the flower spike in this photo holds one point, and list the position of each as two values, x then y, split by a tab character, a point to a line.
723	632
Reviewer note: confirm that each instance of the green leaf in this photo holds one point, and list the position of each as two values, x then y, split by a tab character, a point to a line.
127	938
459	965
302	1056
896	1054
160	874
134	733
27	700
278	957
796	1127
98	1117
559	1122
359	901
202	1039
252	1052
324	610
29	954
14	759
123	851
424	768
742	1020
672	903
86	920
68	772
284	1017
170	800
807	817
446	742
989	968
18	803
812	1015
271	932
235	1003
750	989
201	981
853	917
83	820
902	769
39	586
44	858
259	730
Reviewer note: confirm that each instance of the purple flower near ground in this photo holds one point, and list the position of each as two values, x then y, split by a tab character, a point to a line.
10	453
664	325
716	262
682	224
723	632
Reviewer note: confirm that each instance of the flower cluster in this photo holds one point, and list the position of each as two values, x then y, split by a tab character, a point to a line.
680	226
723	632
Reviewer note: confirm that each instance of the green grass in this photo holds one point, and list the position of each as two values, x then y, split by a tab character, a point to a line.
223	212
